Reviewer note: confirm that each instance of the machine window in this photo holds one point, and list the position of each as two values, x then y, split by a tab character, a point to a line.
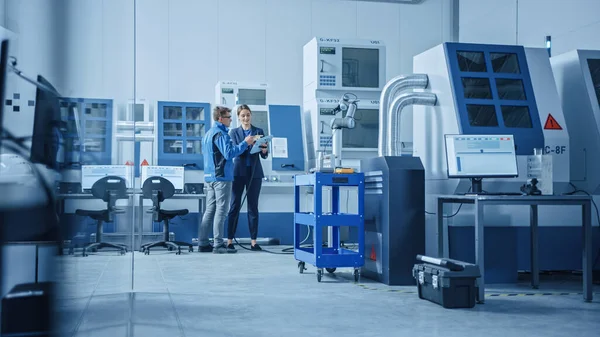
360	67
194	114
194	146
172	129
194	130
476	87
261	119
471	61
505	63
173	112
482	115
510	89
516	116
366	130
594	65
252	96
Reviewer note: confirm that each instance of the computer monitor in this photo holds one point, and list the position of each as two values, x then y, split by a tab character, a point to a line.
174	174
48	129
92	173
481	156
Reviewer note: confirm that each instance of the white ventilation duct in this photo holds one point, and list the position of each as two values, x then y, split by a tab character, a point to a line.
399	103
389	92
408	2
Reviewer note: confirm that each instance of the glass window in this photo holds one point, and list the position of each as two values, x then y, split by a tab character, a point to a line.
93	145
194	146
252	96
194	129
506	63
471	61
173	146
594	65
366	130
360	67
95	127
476	87
260	119
482	115
510	89
172	130
194	114
173	112
516	116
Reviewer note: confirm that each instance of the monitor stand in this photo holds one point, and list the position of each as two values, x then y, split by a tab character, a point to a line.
476	187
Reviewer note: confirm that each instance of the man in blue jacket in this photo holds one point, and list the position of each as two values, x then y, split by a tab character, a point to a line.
219	151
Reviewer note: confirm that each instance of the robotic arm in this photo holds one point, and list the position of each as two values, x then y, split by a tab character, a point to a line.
347	103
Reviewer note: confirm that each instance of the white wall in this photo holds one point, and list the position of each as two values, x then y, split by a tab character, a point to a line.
573	24
183	47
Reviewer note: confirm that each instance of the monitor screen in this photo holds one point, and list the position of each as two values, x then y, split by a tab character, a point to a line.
481	156
48	128
174	174
92	173
360	68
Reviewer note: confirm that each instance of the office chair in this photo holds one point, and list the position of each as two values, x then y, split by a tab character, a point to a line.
109	189
158	189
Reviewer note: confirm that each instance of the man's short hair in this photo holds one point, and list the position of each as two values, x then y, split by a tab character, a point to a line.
220	111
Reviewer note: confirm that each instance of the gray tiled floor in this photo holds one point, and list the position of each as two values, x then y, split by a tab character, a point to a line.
259	294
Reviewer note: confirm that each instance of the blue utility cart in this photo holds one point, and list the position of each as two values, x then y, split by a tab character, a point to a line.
334	256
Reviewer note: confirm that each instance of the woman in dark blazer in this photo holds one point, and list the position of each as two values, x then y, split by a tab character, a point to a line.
247	174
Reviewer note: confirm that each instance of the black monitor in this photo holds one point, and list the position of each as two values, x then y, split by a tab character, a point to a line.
481	156
48	128
3	71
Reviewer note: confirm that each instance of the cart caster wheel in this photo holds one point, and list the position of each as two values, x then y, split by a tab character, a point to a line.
147	251
319	275
330	270
301	268
356	275
171	249
191	249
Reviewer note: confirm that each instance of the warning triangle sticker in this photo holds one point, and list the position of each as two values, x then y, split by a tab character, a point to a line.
551	124
373	256
145	163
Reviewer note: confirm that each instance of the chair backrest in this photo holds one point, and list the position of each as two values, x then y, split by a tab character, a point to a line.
158	186
110	187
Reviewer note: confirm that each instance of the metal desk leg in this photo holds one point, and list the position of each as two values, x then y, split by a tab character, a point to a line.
586	218
442	245
533	226
200	216
479	256
140	220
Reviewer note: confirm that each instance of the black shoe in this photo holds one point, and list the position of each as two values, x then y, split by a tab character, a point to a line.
256	247
231	249
205	249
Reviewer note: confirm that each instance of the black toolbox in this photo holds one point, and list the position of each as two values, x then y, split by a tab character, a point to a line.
449	283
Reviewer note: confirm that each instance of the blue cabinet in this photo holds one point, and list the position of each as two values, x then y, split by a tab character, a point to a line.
181	127
90	119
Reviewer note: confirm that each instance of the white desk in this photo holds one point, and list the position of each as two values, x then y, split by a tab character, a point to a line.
533	201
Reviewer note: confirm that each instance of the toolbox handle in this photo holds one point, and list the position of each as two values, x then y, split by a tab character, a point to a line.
441	262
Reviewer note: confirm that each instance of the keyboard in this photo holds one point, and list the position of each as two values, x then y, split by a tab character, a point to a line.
494	193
